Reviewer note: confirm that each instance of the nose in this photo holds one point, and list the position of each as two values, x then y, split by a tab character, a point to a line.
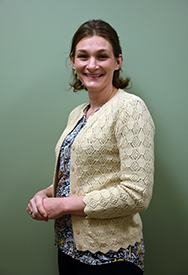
92	63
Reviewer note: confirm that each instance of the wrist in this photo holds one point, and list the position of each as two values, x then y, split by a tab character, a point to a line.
73	205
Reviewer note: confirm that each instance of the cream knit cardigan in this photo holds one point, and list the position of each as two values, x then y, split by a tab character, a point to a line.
112	164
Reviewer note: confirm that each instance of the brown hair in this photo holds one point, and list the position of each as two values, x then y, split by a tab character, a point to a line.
103	29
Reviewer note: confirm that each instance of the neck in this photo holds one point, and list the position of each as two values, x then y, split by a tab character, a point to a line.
97	99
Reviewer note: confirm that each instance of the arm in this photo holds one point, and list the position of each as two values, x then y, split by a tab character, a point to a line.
44	207
134	132
57	207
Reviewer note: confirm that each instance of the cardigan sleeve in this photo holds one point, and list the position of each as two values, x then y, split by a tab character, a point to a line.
134	132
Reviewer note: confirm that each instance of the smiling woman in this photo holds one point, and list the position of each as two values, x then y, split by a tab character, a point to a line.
95	64
104	165
103	30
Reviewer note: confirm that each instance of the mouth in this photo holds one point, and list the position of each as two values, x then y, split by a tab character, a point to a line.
93	75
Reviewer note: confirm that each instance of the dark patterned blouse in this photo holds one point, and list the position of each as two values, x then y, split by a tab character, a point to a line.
64	237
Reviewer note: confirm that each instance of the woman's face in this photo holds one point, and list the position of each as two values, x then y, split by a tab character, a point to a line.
95	63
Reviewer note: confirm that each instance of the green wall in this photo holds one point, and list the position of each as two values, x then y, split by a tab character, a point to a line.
34	104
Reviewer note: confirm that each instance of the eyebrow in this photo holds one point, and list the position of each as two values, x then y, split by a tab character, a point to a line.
85	51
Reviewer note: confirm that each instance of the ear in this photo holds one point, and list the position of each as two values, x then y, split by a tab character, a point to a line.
119	62
72	61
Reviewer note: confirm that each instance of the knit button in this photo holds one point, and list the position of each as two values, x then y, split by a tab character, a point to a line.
79	246
72	168
73	191
73	147
77	231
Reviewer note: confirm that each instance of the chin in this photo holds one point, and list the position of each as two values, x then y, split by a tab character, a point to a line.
93	87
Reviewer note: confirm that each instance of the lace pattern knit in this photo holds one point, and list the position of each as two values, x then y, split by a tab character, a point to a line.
112	164
64	238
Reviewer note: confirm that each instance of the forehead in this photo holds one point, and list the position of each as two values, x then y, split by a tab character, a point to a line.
94	43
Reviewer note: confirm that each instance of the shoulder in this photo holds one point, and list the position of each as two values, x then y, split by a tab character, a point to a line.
124	98
132	106
126	102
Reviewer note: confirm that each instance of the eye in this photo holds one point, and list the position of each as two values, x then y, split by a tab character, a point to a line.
82	56
103	57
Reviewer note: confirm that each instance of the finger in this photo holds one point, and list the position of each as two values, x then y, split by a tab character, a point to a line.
37	216
33	211
41	209
29	209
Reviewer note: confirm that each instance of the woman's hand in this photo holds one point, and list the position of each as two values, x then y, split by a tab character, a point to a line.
36	208
54	207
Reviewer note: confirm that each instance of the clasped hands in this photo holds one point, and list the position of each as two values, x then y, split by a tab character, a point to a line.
43	207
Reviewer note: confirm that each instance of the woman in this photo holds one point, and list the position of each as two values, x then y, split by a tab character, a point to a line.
104	165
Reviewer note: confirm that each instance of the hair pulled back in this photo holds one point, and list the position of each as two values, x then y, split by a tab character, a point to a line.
103	29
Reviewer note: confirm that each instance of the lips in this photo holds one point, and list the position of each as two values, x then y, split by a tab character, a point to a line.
93	75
